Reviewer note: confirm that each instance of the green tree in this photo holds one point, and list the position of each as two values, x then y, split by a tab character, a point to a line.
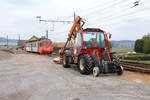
139	43
146	48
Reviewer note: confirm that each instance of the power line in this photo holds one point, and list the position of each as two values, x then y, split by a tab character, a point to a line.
125	10
124	15
109	15
104	13
54	21
115	22
92	9
113	13
96	4
120	16
103	10
64	17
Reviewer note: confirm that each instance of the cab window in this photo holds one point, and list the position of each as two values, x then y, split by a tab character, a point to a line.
50	44
78	40
41	44
94	40
46	44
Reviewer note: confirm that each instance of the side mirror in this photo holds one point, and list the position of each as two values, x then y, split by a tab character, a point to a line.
109	35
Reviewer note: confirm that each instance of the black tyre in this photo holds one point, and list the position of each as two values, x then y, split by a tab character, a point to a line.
115	59
85	64
65	61
119	68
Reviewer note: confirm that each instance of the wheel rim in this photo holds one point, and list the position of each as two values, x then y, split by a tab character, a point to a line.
81	64
96	71
121	69
64	60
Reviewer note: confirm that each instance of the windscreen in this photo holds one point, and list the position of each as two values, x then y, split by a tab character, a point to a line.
93	40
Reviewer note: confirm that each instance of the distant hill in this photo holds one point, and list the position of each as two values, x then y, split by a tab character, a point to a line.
123	43
3	40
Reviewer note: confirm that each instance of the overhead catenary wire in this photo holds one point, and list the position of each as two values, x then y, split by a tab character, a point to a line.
103	18
102	10
133	10
119	16
91	7
105	14
111	14
108	16
98	6
117	22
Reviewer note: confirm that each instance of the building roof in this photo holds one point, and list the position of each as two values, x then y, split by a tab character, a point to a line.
33	38
21	43
59	44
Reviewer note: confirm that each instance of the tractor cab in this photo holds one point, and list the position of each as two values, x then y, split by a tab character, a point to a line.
93	39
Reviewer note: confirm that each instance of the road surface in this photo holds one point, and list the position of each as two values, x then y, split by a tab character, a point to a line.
35	77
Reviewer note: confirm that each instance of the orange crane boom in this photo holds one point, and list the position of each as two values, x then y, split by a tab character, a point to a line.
75	28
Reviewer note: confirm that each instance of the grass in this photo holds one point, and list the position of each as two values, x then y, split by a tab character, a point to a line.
142	61
122	50
126	50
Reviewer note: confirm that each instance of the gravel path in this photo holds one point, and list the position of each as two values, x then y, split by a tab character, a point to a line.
35	77
5	55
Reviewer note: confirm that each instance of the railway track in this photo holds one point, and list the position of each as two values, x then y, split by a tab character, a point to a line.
135	66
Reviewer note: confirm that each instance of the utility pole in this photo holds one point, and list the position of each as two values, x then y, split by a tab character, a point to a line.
75	31
47	34
74	16
7	41
19	37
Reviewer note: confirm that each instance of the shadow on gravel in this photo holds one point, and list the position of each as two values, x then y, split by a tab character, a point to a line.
75	68
22	95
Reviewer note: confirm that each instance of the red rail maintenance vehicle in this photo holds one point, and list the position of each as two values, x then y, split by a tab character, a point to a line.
39	46
89	49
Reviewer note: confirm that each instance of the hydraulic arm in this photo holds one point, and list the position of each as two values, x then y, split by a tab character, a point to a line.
72	35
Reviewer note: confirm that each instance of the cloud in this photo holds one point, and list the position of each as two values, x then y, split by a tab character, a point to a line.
116	17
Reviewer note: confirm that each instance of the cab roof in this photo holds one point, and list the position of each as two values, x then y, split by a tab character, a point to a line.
93	30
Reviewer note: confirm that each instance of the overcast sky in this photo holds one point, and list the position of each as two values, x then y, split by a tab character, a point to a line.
118	17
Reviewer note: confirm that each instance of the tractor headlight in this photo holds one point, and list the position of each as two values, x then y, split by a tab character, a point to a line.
85	47
75	51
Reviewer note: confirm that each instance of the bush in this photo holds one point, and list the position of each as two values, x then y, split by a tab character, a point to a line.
139	57
146	48
139	45
143	45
